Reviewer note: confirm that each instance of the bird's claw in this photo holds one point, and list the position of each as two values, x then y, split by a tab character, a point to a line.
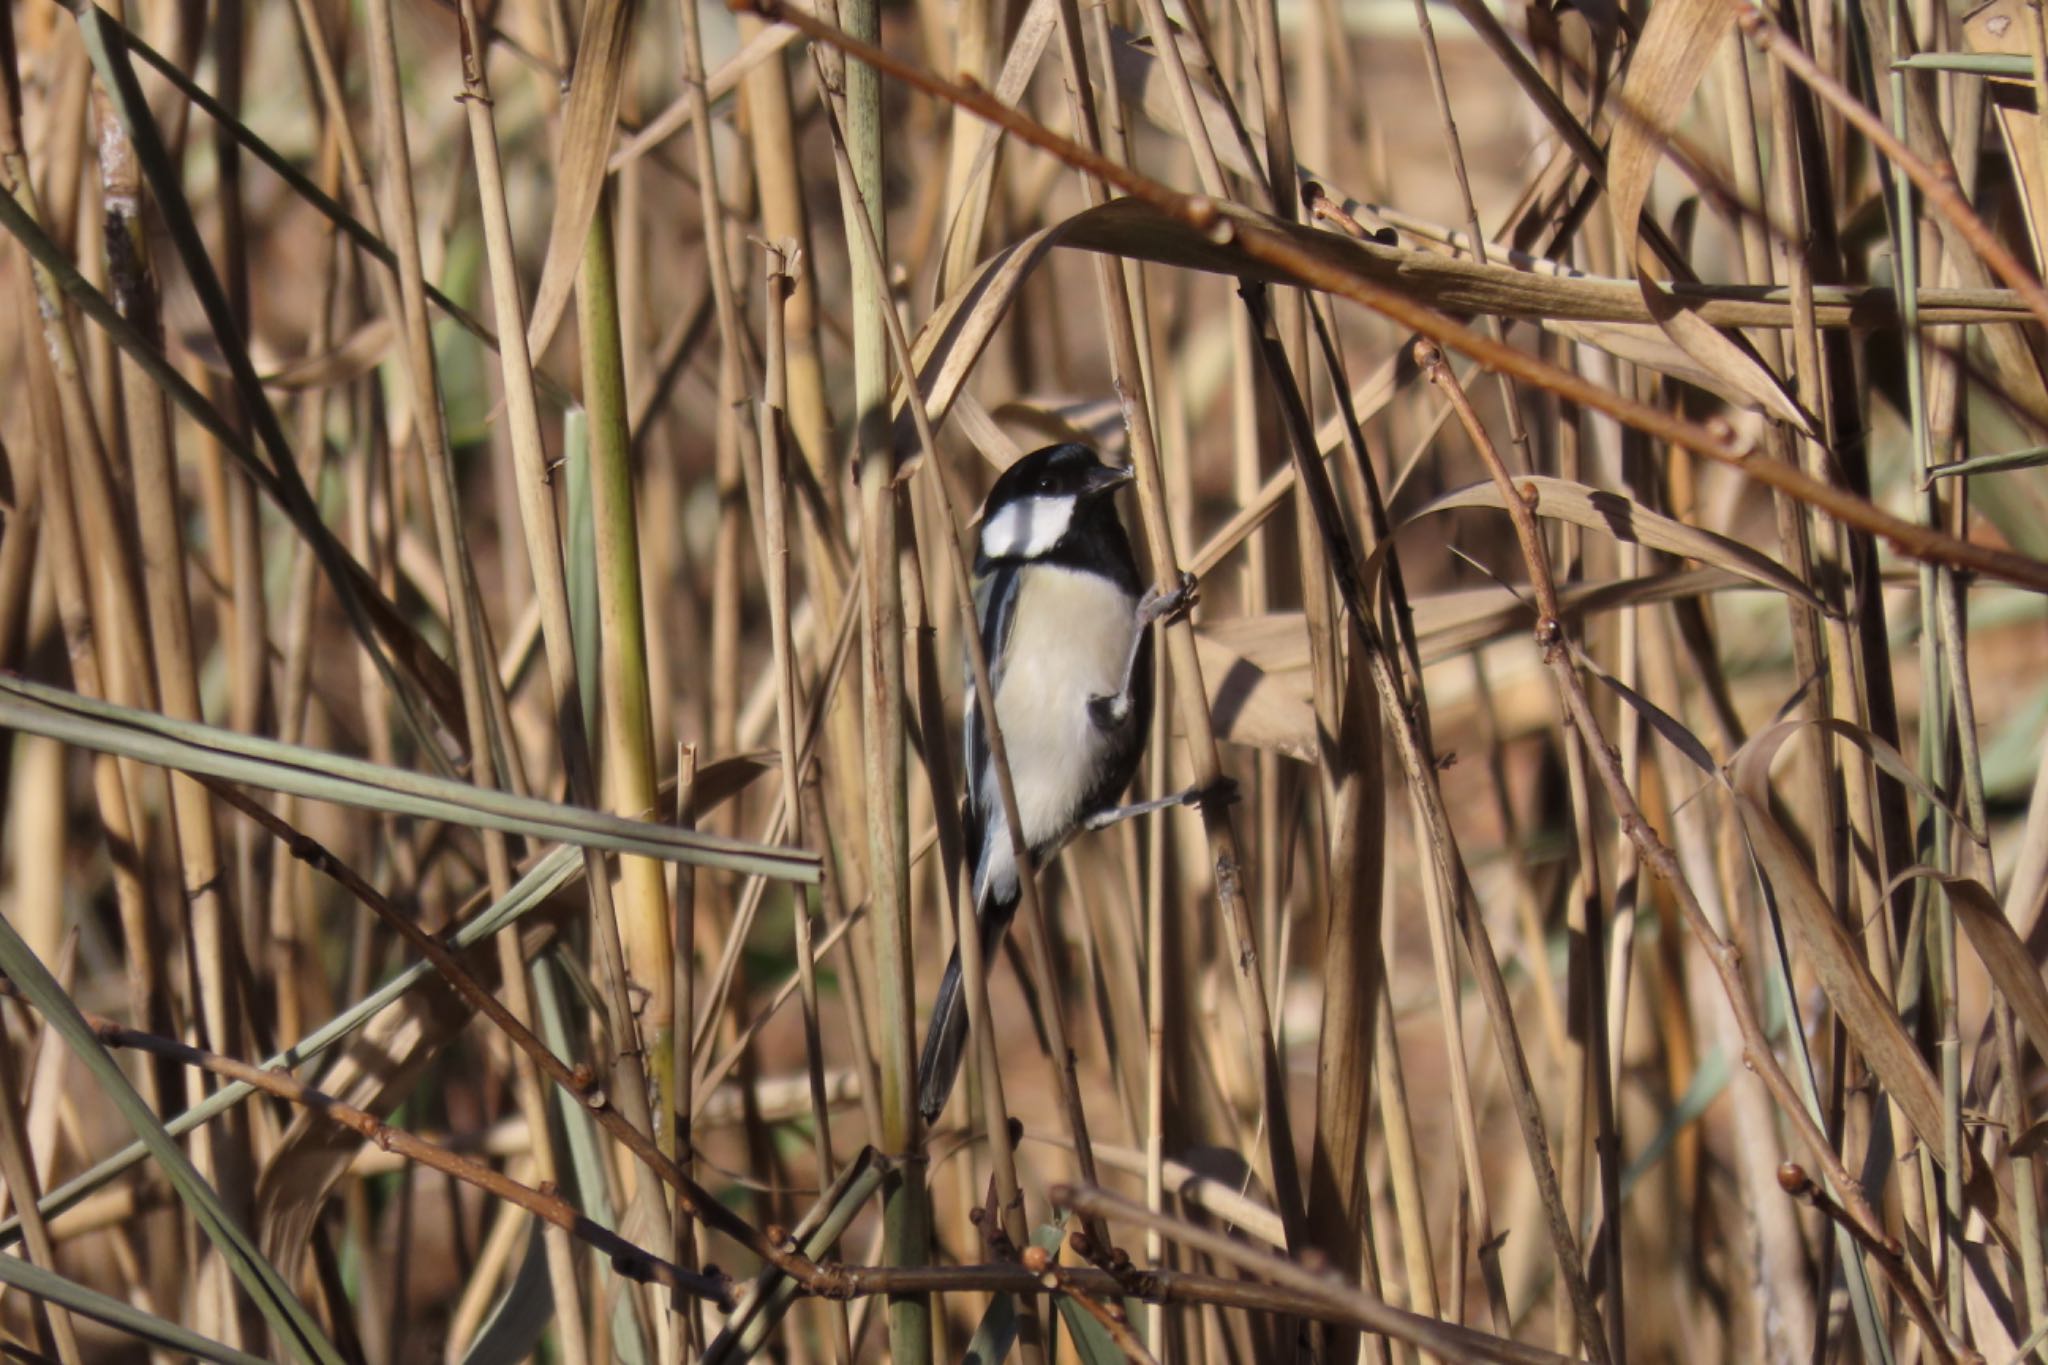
1169	604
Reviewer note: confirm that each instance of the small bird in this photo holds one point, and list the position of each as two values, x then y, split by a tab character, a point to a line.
1065	621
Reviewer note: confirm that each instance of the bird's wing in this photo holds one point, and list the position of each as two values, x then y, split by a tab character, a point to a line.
995	601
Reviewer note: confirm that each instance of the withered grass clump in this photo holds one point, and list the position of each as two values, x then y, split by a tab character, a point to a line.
483	608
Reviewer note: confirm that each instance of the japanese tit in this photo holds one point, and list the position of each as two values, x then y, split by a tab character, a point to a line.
1064	618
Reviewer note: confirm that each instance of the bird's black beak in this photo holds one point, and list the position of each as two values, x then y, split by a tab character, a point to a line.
1107	479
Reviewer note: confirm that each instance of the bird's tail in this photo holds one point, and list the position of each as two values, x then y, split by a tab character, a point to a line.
945	1043
945	1039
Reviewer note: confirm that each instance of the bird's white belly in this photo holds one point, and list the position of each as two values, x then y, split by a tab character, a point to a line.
1068	645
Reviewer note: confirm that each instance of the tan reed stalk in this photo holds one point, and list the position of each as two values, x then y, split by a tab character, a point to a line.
98	541
771	128
906	1210
544	557
152	461
223	1154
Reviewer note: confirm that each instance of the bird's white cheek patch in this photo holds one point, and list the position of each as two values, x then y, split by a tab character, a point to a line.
1027	528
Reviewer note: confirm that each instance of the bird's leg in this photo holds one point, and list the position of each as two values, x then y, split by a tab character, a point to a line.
1155	606
1223	789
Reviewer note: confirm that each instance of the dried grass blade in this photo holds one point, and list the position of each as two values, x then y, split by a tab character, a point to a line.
123	1317
322	776
581	162
2002	951
1835	960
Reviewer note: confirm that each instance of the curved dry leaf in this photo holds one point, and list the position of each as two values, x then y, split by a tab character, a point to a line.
1837	964
1539	293
1256	708
360	353
1272	642
1677	42
588	120
1649	348
982	430
1096	421
1888	759
946	348
1141	76
1594	310
1452	622
1674	732
1623	519
720	781
375	1074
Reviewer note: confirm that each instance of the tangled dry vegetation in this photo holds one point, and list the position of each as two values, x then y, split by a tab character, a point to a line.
482	612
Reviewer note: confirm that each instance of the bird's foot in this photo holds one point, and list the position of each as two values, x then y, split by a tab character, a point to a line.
1169	604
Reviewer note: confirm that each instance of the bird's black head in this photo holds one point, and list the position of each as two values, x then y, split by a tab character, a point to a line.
1047	500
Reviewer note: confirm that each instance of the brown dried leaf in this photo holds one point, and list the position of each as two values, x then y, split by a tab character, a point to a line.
2012	968
1830	954
1837	964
